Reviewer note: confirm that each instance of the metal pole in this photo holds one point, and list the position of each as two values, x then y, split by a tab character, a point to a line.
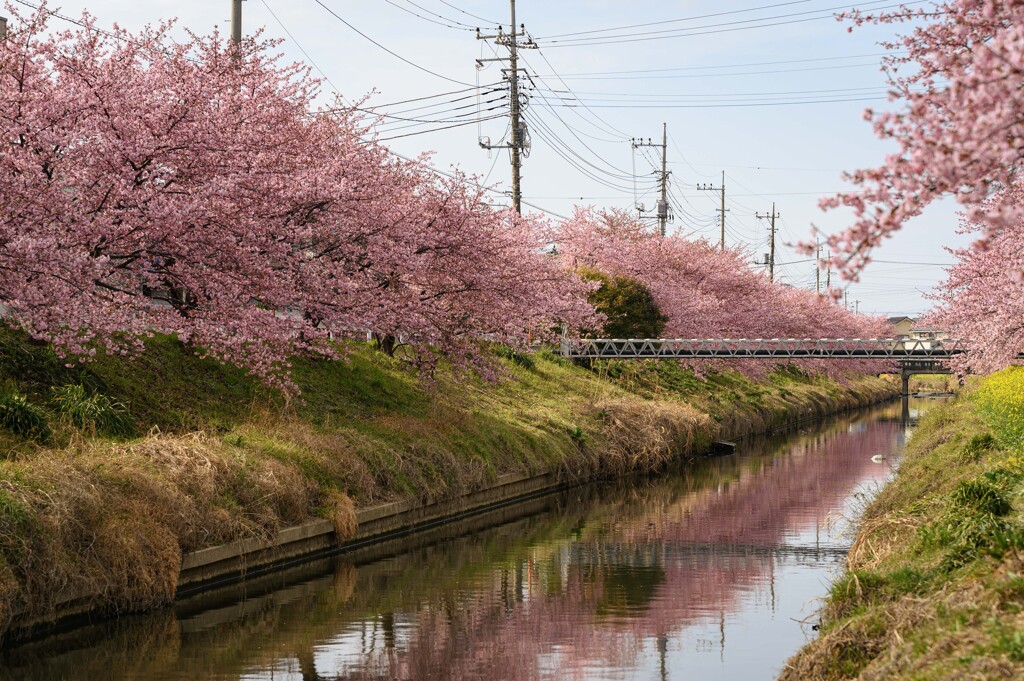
722	243
236	22
817	266
517	195
771	251
663	208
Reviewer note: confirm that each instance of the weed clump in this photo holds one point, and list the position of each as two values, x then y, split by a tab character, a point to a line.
93	412
520	359
980	496
978	445
23	418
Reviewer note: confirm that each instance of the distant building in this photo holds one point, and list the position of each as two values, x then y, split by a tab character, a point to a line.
902	326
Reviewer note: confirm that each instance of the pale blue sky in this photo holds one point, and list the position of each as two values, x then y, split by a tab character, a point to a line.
788	153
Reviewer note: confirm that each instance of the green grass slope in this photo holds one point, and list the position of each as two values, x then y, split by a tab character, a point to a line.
935	585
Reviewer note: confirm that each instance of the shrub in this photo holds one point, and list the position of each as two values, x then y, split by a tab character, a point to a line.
93	411
628	305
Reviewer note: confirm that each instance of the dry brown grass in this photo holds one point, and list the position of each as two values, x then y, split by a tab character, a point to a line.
943	636
108	524
643	435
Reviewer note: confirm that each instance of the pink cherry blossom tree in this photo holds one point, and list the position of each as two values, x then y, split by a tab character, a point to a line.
959	130
981	297
192	188
959	126
709	293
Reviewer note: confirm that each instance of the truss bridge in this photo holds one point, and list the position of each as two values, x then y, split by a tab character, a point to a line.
924	356
924	351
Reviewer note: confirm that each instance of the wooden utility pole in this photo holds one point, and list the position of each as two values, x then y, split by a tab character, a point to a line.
518	132
771	250
236	22
722	210
828	273
662	209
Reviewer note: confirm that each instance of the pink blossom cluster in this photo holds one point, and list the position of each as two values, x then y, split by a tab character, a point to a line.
192	188
707	292
980	299
959	128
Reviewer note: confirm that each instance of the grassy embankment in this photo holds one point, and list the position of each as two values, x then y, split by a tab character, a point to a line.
113	469
935	581
931	384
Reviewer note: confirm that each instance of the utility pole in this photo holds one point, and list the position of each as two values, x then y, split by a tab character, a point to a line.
722	210
846	300
771	250
662	211
236	22
510	41
828	273
856	307
817	266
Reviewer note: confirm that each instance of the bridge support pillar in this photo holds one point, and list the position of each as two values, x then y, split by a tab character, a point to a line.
905	380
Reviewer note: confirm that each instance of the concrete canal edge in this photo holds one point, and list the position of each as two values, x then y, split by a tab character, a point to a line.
218	565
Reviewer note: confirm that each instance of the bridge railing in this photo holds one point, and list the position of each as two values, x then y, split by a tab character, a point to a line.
749	348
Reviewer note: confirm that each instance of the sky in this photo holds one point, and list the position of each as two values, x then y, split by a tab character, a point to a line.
769	92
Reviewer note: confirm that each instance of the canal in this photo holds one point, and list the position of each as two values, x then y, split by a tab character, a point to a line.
712	570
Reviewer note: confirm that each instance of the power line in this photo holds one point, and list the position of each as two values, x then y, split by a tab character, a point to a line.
691	32
423	120
469	14
776	94
566	153
727	75
425	97
446	23
724	105
299	45
611	129
672	21
447	127
732	66
619	173
448	108
389	51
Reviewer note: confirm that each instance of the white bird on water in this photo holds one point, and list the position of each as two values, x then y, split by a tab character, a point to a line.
878	458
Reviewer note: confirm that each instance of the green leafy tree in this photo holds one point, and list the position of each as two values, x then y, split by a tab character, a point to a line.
627	304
